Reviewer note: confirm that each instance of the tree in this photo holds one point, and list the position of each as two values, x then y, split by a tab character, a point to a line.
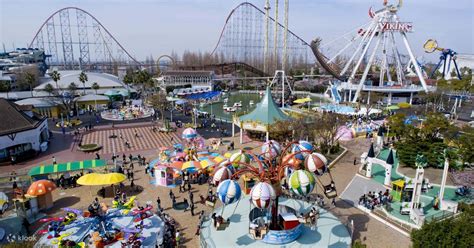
435	125
83	78
49	89
325	130
95	87
452	232
370	99
396	123
158	101
72	88
464	145
56	76
5	87
31	81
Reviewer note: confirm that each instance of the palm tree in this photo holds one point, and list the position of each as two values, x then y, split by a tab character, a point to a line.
95	86
49	88
5	87
30	80
83	78
56	76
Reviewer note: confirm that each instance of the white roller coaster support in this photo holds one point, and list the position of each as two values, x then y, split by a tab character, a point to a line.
366	48
275	37
384	60
366	71
285	37
343	49
364	38
413	60
396	54
265	48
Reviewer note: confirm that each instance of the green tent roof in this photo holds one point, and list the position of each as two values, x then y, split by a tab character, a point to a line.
65	167
266	112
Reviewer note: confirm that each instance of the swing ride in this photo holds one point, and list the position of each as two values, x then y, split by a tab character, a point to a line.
368	58
276	175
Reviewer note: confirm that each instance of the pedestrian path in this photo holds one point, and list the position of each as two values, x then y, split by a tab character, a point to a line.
146	140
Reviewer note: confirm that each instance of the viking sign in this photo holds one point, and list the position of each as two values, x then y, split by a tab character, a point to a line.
405	27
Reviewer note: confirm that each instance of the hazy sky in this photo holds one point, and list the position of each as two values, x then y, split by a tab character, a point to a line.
146	27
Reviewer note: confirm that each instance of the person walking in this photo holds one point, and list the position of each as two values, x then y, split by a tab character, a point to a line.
192	208
191	196
355	160
54	160
158	203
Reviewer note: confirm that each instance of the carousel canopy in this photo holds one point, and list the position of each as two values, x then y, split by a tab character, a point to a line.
266	112
65	167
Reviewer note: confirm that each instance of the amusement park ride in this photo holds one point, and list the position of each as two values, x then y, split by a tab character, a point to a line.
447	56
296	167
372	49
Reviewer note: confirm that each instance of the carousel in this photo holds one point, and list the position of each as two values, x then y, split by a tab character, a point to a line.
278	204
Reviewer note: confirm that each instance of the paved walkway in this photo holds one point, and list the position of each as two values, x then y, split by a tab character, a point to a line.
367	229
146	140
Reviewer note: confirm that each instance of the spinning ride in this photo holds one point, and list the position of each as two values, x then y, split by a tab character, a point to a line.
269	221
373	45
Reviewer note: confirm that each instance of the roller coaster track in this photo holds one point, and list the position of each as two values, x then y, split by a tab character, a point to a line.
101	39
227	68
241	38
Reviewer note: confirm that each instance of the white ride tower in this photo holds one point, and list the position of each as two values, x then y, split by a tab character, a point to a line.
371	52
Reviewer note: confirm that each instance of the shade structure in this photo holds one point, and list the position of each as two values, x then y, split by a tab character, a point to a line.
112	93
65	167
191	165
392	107
177	164
189	133
93	179
207	162
302	100
219	158
41	187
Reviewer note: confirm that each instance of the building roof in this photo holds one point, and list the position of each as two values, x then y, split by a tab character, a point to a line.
91	97
188	73
37	102
14	120
103	79
266	112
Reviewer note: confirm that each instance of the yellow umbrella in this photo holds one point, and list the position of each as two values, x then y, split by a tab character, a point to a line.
113	178
101	179
219	158
227	154
302	100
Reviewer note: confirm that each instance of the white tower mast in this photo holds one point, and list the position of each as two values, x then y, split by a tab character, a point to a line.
265	49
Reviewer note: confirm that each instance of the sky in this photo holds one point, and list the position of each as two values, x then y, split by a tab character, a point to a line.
146	27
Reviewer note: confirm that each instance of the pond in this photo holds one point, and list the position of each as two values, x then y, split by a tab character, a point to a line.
244	98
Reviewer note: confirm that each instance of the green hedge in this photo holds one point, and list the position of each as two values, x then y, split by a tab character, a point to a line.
433	151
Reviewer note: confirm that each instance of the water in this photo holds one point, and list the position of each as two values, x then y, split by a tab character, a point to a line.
338	108
217	108
218	111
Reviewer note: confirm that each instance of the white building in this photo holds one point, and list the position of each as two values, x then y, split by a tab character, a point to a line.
22	132
182	78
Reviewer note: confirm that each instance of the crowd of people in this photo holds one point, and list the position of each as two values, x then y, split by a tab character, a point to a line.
375	199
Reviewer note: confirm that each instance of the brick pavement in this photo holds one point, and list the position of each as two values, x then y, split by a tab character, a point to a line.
147	139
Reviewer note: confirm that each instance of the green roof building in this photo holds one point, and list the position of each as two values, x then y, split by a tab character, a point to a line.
265	114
